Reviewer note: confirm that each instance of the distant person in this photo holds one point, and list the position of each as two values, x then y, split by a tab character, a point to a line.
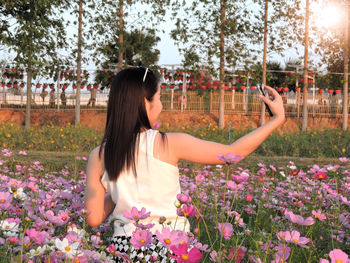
92	99
63	98
52	98
136	166
43	95
182	99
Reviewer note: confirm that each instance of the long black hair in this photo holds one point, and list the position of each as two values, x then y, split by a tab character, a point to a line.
126	116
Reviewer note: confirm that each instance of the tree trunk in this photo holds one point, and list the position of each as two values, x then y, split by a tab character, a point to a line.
346	70
29	84
306	79
262	114
121	35
222	66
77	99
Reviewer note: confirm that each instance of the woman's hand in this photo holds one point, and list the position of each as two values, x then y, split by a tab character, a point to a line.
275	102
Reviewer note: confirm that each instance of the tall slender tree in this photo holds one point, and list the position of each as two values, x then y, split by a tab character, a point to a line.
306	75
262	115
107	29
35	33
219	32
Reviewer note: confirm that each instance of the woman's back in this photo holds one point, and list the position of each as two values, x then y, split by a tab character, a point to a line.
154	187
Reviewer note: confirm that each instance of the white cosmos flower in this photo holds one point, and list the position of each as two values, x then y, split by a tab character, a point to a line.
79	232
105	258
36	252
282	173
292	167
18	193
70	250
9	226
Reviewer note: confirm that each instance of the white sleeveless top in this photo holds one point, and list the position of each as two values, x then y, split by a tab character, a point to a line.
155	188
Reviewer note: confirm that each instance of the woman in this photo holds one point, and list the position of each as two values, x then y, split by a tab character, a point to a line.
137	166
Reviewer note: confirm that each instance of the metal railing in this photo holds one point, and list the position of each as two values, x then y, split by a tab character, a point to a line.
236	102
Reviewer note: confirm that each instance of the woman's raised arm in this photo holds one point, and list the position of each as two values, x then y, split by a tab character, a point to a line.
186	147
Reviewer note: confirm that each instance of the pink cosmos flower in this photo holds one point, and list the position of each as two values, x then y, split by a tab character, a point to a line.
184	198
319	215
110	248
5	200
231	185
344	159
168	238
293	237
338	256
226	230
297	219
320	175
236	254
182	255
229	158
22	153
141	238
282	254
62	218
187	211
156	126
136	214
241	178
36	236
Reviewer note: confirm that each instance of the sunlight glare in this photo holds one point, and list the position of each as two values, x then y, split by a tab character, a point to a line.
328	16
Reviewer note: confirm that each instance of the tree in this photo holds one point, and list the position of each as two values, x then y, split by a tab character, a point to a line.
219	34
139	51
34	31
107	30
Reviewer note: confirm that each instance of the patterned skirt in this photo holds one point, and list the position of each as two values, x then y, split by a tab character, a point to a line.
156	253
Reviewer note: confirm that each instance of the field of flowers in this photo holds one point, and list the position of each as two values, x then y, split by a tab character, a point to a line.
261	213
326	143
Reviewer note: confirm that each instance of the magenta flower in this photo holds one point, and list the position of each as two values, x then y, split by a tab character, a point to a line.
320	175
62	218
141	238
5	200
229	158
182	255
186	211
249	198
338	256
319	215
226	230
136	214
184	198
168	238
297	219
236	254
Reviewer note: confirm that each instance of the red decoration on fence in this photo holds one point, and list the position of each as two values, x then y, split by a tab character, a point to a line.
279	89
252	87
162	86
52	86
95	86
203	87
38	86
227	88
320	91
285	89
297	89
22	85
337	91
234	87
330	91
74	86
15	85
243	87
171	87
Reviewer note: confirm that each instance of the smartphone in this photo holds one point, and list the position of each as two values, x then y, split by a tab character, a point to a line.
261	90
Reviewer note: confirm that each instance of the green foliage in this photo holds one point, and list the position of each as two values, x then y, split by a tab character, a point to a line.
33	30
332	143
